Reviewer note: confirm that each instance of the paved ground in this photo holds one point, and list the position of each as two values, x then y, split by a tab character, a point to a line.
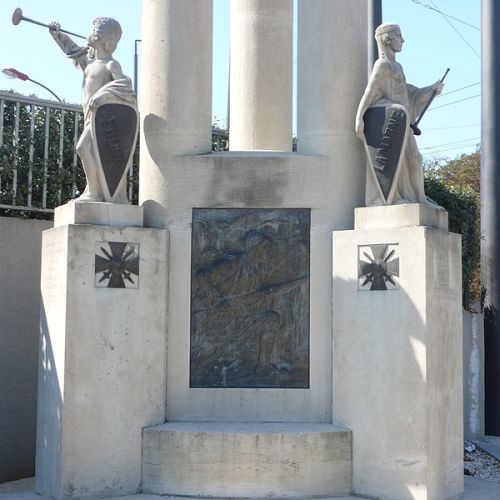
475	489
23	490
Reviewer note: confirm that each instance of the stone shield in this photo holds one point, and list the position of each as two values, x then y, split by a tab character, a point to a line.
386	133
114	134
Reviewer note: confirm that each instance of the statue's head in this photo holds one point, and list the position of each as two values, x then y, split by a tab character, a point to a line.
389	35
107	31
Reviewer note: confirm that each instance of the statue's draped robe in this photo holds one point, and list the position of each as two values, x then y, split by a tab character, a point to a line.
387	85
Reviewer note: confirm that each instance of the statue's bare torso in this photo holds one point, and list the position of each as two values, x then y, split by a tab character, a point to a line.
97	74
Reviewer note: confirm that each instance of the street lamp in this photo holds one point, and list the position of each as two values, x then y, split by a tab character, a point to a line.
14	73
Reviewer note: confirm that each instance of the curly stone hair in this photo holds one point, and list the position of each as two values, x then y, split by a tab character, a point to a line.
109	32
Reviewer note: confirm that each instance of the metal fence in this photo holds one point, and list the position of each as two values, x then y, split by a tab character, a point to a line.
39	167
37	152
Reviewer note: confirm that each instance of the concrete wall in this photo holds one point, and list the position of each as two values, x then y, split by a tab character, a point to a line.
20	249
473	341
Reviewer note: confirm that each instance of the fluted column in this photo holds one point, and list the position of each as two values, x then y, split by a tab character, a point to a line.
176	89
261	75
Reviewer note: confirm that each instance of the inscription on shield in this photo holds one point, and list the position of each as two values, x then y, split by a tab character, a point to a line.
386	129
115	127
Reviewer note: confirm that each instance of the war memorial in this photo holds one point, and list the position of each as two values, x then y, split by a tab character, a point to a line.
266	323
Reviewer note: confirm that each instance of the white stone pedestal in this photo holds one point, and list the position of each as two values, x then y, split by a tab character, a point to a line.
102	354
397	354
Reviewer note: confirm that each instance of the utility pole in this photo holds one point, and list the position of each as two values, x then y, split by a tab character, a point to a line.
490	208
374	20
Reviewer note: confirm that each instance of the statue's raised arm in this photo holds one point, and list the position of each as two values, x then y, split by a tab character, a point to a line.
383	121
68	46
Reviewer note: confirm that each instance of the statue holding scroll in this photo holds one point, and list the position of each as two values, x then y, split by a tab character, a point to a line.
107	143
384	121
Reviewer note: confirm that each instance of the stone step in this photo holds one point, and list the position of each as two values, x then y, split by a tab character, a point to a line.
247	460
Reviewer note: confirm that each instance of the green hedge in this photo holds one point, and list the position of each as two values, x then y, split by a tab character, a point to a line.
463	206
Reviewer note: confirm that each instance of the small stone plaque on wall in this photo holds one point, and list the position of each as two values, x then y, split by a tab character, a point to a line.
378	267
250	298
116	264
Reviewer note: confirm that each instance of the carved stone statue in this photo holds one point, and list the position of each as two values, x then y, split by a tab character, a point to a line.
387	109
107	143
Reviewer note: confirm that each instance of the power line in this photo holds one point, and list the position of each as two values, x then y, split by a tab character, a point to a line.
461	88
456	31
456	148
430	7
452	143
451	148
455	102
454	126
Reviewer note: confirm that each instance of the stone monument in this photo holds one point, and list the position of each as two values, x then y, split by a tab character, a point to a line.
384	119
107	144
293	368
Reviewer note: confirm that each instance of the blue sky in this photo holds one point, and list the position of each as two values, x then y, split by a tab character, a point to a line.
431	46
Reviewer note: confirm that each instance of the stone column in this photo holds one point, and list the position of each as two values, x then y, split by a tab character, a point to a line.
332	61
490	208
176	91
261	75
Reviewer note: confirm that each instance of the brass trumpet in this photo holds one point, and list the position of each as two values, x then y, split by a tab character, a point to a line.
17	17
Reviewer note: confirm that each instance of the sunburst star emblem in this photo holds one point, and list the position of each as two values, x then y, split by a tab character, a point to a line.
116	264
378	267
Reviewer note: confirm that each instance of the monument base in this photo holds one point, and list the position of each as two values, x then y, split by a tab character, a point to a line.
397	357
246	460
102	355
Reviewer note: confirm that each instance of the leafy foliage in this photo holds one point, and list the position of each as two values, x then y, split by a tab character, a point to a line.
455	186
220	139
463	172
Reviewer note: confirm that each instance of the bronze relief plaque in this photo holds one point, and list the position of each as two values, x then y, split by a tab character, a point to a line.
250	298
